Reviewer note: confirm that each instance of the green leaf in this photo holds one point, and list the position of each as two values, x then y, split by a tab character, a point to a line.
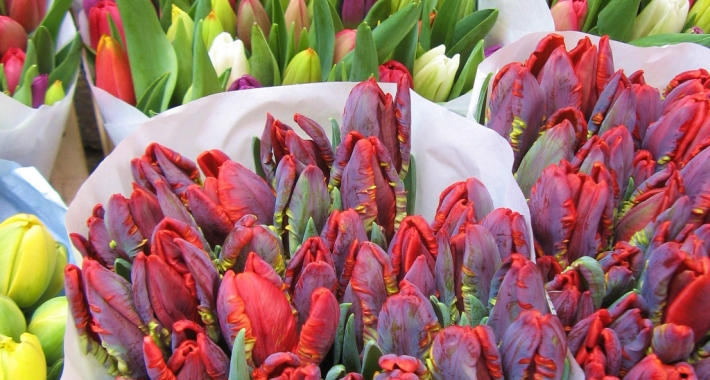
673	38
204	79
167	16
378	13
278	37
441	311
617	19
224	78
335	128
338	344
150	53
377	236
337	372
470	31
122	268
55	16
66	71
482	100
365	55
55	371
337	22
324	41
464	82
464	320
442	32
3	11
290	46
475	310
3	79
392	31
44	46
410	185
593	9
202	9
310	230
425	34
262	61
406	51
238	368
115	34
371	355
23	94
30	61
303	41
351	357
183	53
336	201
153	95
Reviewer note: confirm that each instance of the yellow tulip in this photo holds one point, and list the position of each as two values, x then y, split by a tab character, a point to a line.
24	360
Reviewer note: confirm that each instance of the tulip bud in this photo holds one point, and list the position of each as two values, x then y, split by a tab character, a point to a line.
434	74
31	248
701	11
12	321
391	71
211	28
55	93
28	13
303	68
354	12
297	15
186	22
99	24
250	12
569	14
225	13
13	60
39	89
487	52
23	360
396	367
113	73
660	17
344	43
48	323
245	82
13	35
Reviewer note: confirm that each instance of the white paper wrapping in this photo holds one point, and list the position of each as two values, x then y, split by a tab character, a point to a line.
515	19
660	64
447	147
31	136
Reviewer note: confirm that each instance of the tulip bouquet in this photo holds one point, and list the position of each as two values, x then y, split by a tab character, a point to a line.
31	277
644	23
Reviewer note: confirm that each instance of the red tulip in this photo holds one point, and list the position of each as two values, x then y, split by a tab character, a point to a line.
460	352
113	73
391	71
28	13
13	60
403	367
651	367
99	24
13	35
286	366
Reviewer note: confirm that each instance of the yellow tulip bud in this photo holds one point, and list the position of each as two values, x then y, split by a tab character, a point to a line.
24	360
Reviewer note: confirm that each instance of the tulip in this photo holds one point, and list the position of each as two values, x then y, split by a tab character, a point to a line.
180	18
113	73
460	353
344	43
342	235
208	213
578	291
487	52
396	367
391	71
286	366
407	323
621	266
559	83
279	140
160	163
245	82
13	61
672	343
569	14
372	113
516	286
226	53
414	239
587	64
241	192
434	74
48	324
354	11
13	321
470	195
29	246
701	12
660	17
99	24
28	13
39	90
534	345
365	175
211	28
13	35
652	367
23	360
516	115
303	68
248	237
250	12
509	230
296	16
225	13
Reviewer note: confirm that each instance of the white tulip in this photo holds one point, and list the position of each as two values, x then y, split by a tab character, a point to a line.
228	53
661	17
434	74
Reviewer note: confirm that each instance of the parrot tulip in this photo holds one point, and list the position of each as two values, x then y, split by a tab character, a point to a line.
652	367
402	367
578	291
460	353
463	198
286	366
247	237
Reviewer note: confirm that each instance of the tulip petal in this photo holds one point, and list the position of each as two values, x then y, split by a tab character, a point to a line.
242	192
310	200
559	83
124	232
318	332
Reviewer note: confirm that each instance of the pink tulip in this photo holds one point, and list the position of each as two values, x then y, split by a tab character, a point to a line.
13	60
569	14
12	35
99	24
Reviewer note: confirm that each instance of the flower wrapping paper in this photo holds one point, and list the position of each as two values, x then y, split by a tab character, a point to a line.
31	137
447	147
659	64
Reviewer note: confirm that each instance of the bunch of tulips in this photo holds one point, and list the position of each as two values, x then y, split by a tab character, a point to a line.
616	178
32	69
156	57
